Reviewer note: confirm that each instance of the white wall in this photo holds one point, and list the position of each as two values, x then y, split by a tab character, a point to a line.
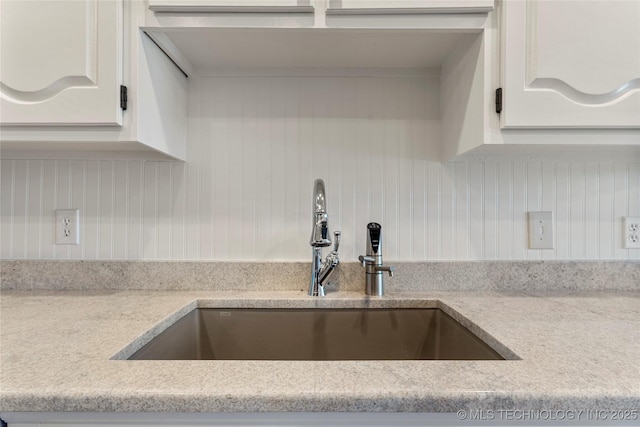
256	145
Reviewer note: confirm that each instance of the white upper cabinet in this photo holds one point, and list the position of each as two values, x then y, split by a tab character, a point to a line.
409	6
61	62
335	33
230	5
571	64
63	66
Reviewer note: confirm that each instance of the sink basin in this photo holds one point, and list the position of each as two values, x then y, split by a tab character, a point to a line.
316	334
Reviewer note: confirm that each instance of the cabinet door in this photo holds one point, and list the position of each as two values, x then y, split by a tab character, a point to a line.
571	64
230	5
61	62
409	6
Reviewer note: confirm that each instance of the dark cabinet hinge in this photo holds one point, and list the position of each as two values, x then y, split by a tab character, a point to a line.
499	100
123	97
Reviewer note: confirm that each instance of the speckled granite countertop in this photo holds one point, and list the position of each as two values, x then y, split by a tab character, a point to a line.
578	351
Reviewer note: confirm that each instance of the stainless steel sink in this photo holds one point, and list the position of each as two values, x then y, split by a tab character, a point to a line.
316	334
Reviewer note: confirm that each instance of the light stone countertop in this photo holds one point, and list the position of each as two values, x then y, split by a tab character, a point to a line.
578	351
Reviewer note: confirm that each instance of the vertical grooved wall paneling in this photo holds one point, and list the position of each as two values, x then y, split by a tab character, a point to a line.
257	143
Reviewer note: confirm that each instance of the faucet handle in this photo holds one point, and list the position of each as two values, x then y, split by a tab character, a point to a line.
336	242
364	259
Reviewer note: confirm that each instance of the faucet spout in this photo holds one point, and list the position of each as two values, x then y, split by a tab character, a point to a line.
319	198
320	225
321	270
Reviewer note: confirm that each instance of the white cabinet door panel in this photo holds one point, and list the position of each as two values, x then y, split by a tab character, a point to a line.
409	6
230	5
571	63
61	62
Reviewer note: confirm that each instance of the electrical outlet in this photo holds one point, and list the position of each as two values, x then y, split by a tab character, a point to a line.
67	226
540	230
631	232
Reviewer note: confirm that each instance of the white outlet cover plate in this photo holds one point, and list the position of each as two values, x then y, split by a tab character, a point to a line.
73	227
631	232
540	230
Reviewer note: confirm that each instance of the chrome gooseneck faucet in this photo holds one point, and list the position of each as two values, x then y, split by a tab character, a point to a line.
321	270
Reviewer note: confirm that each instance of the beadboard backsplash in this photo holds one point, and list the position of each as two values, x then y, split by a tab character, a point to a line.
257	143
